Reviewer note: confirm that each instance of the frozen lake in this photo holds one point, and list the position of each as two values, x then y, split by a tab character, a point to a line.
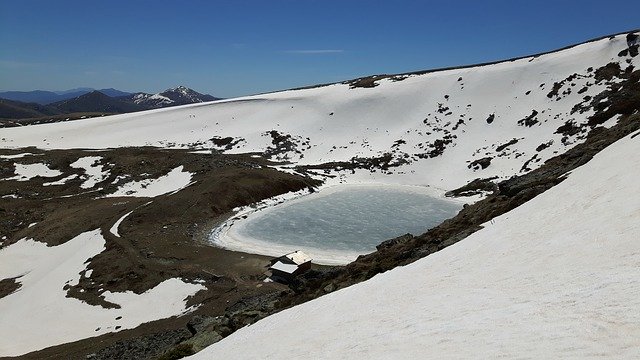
337	224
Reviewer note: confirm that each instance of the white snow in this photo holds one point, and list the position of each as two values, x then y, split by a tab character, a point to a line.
16	156
116	225
39	315
26	172
173	181
114	228
341	123
557	277
61	181
94	173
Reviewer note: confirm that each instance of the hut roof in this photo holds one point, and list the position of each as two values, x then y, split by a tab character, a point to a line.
298	257
286	268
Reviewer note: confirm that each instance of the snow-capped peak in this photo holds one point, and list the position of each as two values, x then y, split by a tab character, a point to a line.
180	95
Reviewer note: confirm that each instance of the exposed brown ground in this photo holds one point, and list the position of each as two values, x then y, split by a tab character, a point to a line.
163	239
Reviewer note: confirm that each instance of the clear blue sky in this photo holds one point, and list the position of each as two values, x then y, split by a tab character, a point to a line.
231	48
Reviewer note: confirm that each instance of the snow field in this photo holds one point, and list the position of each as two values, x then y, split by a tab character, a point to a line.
341	123
555	277
39	315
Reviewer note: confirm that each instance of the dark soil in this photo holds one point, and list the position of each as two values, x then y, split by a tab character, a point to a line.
8	286
162	240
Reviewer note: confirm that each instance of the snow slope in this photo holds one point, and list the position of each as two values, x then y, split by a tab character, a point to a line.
557	277
469	112
39	314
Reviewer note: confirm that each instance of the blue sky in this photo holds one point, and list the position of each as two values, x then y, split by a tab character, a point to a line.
232	48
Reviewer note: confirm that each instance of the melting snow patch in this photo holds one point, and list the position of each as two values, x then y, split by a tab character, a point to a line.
16	156
61	181
94	173
26	172
114	228
40	315
175	180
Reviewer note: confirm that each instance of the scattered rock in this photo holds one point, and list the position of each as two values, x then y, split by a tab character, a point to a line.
391	242
330	288
530	120
480	163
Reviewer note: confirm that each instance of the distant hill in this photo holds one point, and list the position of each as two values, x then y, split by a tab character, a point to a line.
47	97
96	101
37	96
10	109
114	92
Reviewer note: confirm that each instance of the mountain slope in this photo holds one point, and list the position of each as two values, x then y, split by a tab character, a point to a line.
10	109
180	95
441	129
95	101
555	277
114	92
38	96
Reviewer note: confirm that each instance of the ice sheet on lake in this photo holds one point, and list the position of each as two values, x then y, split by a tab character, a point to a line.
337	224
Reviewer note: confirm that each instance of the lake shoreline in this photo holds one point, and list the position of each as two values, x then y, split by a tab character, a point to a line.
233	234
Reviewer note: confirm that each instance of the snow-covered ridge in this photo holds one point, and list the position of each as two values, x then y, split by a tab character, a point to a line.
440	129
175	96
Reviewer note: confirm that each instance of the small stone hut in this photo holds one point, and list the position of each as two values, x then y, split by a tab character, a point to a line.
287	267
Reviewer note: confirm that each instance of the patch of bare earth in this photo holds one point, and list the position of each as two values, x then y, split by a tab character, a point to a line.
8	286
164	237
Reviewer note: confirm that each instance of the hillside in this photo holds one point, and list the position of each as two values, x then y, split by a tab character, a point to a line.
47	97
136	196
95	101
441	129
18	110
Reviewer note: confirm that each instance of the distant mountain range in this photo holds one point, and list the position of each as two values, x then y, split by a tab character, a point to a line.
47	97
16	107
